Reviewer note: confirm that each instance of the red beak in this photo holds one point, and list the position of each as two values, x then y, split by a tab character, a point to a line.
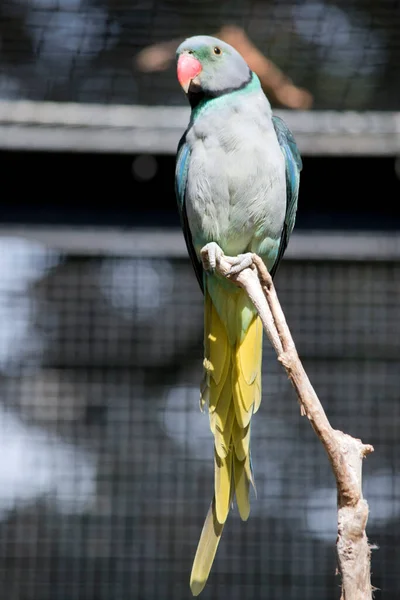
188	68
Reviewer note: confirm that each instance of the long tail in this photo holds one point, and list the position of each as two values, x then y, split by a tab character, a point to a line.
232	390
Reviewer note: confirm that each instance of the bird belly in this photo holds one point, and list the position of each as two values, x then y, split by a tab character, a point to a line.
237	200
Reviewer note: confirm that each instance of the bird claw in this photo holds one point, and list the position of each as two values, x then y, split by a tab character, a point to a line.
210	255
241	262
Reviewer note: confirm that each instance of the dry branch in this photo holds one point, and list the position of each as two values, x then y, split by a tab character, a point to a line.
345	452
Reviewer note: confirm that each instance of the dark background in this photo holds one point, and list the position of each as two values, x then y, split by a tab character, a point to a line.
343	193
345	52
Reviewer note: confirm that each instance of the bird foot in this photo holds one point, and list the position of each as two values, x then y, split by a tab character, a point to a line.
241	262
210	255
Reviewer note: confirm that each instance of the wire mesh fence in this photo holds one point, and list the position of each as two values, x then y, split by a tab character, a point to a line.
345	53
106	461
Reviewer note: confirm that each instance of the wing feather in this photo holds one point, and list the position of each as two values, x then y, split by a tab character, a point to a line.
181	175
293	167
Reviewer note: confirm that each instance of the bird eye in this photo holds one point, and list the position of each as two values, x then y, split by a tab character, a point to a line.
217	50
190	51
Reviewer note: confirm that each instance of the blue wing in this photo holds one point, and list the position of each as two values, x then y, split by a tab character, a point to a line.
181	174
293	167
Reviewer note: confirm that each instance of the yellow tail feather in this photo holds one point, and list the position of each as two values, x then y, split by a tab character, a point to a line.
232	390
242	486
241	440
223	435
208	544
222	485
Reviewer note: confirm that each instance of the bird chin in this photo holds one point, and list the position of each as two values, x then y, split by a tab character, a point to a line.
195	86
195	93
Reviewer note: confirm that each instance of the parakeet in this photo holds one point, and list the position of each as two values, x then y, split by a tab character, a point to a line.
237	183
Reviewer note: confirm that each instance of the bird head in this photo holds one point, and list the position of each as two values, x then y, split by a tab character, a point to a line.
208	67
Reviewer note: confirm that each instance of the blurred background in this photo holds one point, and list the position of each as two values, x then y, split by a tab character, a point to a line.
105	460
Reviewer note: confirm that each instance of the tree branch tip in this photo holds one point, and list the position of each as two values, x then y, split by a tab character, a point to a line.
367	449
349	439
373	547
